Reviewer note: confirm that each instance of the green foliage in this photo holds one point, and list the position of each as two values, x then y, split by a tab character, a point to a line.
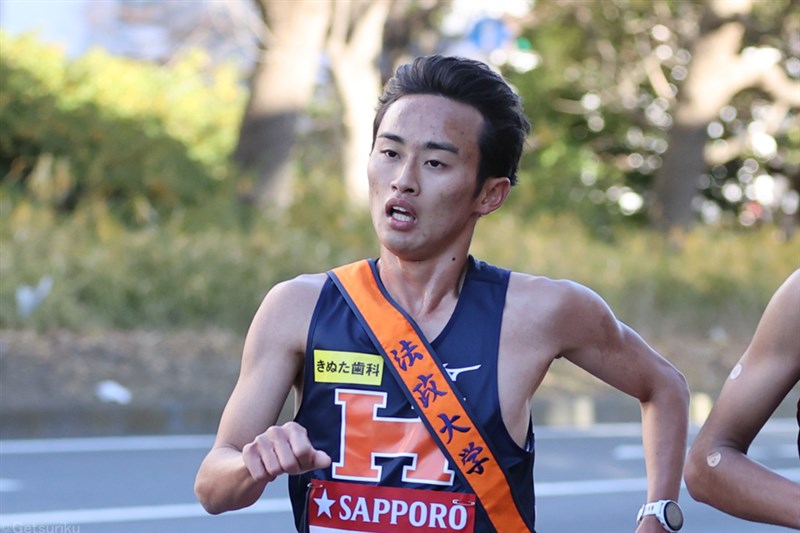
115	183
144	140
109	276
679	285
602	98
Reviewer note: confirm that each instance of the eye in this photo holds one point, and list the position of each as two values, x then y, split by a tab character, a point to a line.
388	152
436	164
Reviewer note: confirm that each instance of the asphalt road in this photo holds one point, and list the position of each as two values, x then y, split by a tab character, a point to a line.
587	480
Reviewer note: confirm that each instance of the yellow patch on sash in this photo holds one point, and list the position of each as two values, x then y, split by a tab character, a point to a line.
347	367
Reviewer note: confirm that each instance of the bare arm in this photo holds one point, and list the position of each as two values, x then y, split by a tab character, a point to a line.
249	450
610	350
718	471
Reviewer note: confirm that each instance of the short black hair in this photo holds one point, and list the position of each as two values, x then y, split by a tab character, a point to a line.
473	83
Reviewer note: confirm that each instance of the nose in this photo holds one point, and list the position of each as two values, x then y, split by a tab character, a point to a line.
406	180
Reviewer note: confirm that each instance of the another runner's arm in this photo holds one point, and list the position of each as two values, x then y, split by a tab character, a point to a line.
718	471
610	350
249	450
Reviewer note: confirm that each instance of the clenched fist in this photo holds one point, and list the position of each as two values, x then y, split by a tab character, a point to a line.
280	450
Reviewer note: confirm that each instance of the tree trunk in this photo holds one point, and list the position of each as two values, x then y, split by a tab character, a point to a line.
354	48
716	74
678	178
281	88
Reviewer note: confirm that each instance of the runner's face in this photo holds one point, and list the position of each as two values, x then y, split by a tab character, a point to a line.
422	175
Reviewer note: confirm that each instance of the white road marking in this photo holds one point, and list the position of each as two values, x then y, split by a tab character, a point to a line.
106	444
608	486
283	505
775	426
780	451
9	485
591	486
130	514
625	452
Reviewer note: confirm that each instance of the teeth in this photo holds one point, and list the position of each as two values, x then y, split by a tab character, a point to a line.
398	213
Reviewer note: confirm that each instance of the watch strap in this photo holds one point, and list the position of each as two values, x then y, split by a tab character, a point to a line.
657	509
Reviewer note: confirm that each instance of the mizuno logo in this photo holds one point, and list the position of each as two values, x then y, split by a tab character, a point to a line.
454	372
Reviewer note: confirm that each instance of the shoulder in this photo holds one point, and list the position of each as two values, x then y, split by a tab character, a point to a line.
305	287
777	336
789	292
563	313
787	300
555	297
783	310
287	308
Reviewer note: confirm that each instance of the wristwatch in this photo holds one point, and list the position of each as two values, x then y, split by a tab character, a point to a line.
668	513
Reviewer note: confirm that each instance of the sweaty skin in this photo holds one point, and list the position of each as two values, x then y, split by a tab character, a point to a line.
718	471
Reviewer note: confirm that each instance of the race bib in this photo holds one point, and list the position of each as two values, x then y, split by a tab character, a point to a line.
335	507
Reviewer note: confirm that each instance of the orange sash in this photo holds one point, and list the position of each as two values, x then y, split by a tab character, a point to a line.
415	365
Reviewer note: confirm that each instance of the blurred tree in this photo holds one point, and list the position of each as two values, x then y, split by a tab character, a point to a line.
413	28
164	32
280	90
107	133
654	111
286	49
620	82
350	35
354	48
365	42
719	70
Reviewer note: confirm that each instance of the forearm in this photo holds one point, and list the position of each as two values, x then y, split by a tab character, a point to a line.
735	484
224	483
665	419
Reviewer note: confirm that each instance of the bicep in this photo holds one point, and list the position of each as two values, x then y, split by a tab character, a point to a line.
754	388
765	374
272	360
751	393
612	351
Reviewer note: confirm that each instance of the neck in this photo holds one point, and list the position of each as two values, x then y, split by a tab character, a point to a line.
423	288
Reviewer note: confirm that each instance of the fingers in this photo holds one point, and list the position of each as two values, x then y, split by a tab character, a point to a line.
255	462
280	450
321	459
301	452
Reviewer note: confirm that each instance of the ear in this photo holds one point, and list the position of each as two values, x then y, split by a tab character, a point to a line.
494	192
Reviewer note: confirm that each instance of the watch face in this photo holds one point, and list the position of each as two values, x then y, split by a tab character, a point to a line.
673	516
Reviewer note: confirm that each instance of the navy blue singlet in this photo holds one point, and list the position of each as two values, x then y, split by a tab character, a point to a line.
468	346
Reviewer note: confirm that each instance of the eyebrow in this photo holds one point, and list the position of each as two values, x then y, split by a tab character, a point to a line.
430	145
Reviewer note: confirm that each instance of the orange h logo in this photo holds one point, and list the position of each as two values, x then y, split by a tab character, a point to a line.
366	436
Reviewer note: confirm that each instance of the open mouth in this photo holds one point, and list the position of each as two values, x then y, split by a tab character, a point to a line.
401	214
400	211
